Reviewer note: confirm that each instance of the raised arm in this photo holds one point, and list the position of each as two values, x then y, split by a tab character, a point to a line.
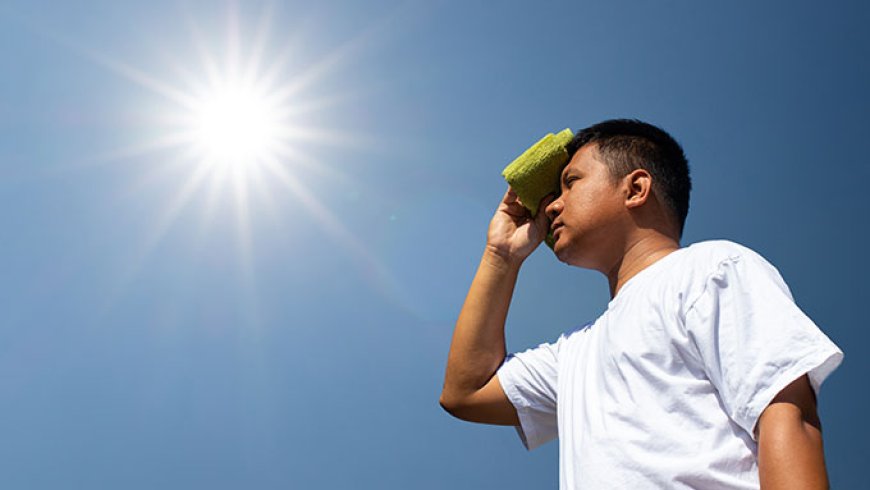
790	454
471	389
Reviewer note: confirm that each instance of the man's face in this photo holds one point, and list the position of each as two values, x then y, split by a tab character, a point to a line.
587	219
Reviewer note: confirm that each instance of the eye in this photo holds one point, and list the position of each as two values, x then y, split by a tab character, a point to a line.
570	179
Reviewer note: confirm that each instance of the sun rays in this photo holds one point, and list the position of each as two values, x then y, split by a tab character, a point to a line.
231	133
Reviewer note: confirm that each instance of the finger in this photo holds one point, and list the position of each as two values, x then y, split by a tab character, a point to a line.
547	200
542	221
512	204
517	210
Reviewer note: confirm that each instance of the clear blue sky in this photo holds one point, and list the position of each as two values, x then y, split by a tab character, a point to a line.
162	332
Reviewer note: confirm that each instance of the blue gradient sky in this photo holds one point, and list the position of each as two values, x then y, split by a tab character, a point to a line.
296	337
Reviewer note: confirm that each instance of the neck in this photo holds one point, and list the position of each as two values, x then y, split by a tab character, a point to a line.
640	253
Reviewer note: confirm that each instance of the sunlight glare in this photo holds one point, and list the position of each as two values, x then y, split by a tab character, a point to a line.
235	125
234	122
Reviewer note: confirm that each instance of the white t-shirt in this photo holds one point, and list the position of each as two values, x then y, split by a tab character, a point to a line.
664	389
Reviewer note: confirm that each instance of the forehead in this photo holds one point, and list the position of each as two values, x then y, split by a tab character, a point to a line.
584	160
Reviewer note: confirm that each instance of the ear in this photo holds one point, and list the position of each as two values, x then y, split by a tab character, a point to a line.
638	185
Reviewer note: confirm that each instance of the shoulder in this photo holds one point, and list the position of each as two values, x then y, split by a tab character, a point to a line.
712	255
722	264
572	336
707	266
718	250
576	334
553	349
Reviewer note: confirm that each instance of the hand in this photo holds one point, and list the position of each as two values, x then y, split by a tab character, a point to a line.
513	233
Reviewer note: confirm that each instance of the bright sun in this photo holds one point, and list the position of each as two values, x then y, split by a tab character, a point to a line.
235	125
238	126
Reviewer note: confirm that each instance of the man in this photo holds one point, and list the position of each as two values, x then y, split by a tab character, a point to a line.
701	373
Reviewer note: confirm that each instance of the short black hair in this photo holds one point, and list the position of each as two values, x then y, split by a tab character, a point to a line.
625	145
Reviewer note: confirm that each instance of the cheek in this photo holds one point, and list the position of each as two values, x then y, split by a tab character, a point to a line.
587	202
592	206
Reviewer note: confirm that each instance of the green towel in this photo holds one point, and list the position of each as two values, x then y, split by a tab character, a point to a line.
536	172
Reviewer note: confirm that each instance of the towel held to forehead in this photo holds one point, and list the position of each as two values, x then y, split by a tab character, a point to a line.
536	172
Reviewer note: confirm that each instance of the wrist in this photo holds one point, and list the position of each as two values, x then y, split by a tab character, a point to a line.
501	260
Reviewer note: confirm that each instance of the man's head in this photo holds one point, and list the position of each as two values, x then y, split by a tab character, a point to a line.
628	144
625	179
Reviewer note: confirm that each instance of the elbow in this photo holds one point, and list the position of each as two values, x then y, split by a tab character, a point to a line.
460	408
447	404
451	405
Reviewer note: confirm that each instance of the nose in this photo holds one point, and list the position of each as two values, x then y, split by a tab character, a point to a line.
554	208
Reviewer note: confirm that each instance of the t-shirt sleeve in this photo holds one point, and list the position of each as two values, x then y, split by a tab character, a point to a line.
752	339
529	381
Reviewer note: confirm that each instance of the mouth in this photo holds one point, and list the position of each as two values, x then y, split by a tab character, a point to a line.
554	229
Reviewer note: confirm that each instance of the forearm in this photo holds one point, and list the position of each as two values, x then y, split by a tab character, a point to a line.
478	346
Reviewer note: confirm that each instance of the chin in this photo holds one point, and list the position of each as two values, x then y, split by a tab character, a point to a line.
562	252
572	254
